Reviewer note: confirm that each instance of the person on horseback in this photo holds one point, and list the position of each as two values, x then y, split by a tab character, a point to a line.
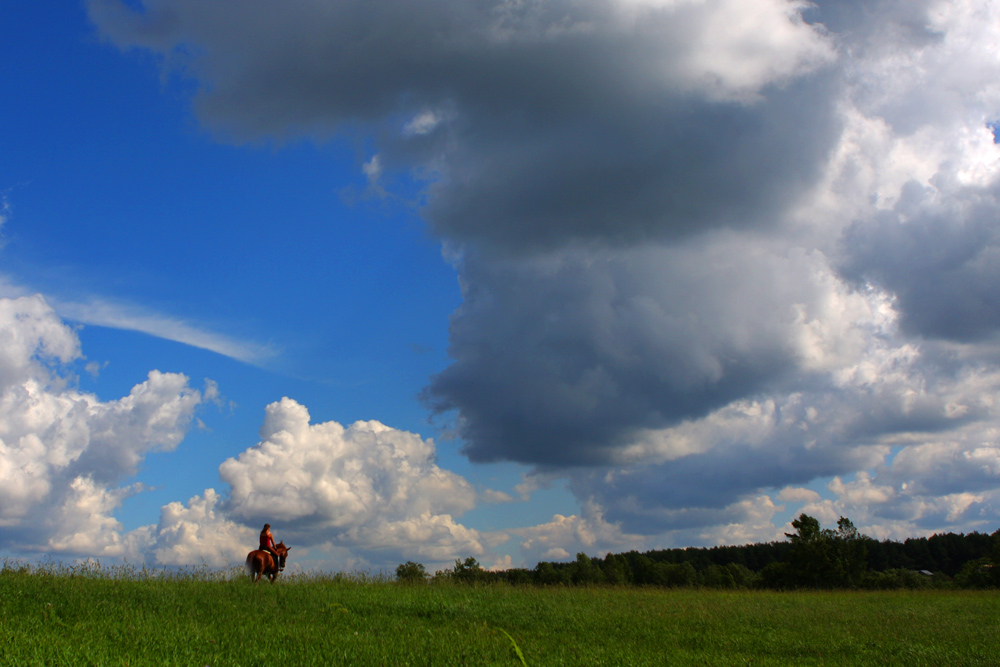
267	543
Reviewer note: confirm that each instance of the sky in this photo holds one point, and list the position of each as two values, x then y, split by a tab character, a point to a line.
509	279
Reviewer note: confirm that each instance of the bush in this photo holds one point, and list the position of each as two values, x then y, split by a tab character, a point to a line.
717	576
976	574
411	573
518	576
774	576
742	576
896	579
547	574
468	571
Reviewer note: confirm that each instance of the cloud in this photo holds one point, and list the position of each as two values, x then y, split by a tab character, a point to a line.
714	367
746	521
798	495
708	250
578	119
367	53
937	250
564	536
592	352
63	452
198	533
364	496
369	488
493	496
924	155
83	524
373	491
99	312
425	122
358	497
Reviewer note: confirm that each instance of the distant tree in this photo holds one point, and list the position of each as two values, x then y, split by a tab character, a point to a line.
517	576
810	558
776	576
643	570
825	558
717	576
742	576
547	574
616	570
919	554
850	554
469	571
878	555
411	573
584	570
678	575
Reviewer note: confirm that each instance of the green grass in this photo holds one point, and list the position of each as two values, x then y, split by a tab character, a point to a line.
79	618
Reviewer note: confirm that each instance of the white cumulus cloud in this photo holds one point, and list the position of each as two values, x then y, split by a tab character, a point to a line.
370	493
369	488
63	452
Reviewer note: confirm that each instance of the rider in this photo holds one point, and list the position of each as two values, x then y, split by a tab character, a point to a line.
267	542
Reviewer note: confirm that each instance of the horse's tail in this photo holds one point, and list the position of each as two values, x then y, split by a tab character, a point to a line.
248	566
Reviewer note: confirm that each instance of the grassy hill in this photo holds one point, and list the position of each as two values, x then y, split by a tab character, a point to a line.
65	616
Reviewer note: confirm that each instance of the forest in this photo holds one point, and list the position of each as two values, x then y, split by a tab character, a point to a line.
811	558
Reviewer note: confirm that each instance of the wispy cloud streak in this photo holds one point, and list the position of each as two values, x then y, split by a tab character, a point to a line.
102	313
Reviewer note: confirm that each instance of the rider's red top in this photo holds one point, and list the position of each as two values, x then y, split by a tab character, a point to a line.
266	540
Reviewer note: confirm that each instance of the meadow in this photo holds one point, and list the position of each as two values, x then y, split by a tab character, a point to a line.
86	616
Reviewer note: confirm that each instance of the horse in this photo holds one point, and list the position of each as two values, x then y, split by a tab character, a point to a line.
260	562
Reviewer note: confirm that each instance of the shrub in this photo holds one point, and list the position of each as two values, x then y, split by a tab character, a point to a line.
896	579
976	574
411	573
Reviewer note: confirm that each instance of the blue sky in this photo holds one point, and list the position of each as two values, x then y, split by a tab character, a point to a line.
322	291
607	275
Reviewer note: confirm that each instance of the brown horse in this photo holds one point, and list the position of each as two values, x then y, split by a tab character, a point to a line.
260	562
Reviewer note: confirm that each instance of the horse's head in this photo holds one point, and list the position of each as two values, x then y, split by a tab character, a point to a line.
282	552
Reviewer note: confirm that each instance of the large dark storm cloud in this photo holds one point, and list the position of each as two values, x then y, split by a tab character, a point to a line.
940	258
708	248
543	122
588	347
662	170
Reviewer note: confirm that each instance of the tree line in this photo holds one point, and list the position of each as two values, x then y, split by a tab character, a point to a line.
810	557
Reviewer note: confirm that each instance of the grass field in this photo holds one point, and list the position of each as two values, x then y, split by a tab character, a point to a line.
73	618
